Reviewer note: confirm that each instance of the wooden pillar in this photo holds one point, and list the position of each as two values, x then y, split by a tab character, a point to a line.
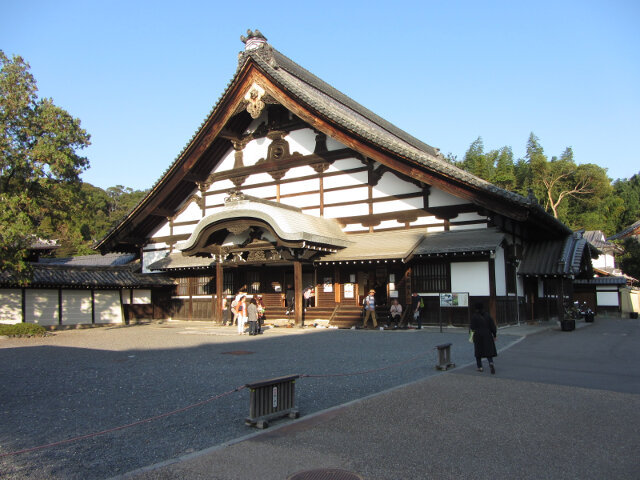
219	291
297	287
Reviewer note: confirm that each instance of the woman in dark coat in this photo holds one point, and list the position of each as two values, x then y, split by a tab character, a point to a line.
484	334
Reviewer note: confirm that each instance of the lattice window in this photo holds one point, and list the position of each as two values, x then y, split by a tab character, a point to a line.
431	277
183	286
202	285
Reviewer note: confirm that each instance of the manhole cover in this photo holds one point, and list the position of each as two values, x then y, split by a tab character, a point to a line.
325	474
238	352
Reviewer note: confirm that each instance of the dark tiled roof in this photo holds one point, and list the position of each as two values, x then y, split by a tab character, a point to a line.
460	241
63	276
110	259
626	232
406	244
601	281
570	256
177	261
396	244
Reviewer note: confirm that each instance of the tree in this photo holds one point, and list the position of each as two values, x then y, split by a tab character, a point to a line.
504	175
476	162
39	166
629	262
629	192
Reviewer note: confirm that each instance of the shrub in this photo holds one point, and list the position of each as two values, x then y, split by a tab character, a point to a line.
23	330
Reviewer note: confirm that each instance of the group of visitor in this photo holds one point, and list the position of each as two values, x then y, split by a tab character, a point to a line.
243	310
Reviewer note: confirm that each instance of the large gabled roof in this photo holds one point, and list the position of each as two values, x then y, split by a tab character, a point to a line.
327	110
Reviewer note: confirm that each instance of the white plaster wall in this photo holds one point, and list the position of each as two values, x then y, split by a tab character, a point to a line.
185	229
107	306
141	296
297	172
162	231
216	199
76	307
435	229
603	261
255	179
254	150
149	257
346	210
311	185
396	205
356	194
126	296
41	306
438	198
227	161
11	306
221	185
269	192
607	299
390	184
346	164
500	274
191	213
302	141
301	201
472	277
334	144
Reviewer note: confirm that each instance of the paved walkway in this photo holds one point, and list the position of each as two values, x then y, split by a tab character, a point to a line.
551	401
462	424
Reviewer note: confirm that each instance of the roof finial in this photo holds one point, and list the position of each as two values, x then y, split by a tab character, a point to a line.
253	40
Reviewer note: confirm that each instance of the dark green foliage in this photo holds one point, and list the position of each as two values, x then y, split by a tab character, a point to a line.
39	166
23	330
629	262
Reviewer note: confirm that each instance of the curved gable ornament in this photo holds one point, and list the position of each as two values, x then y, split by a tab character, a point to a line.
288	225
253	97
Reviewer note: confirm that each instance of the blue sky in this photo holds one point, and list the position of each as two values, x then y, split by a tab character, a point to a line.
142	76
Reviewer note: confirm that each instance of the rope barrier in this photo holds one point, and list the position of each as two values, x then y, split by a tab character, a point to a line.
198	404
122	427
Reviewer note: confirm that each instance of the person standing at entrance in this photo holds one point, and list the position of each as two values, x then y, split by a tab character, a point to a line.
242	313
369	304
252	317
484	334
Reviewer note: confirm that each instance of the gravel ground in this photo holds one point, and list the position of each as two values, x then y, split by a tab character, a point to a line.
80	382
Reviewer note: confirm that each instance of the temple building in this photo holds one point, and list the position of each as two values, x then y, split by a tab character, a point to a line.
289	184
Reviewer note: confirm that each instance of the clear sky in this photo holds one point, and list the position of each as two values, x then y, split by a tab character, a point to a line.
143	75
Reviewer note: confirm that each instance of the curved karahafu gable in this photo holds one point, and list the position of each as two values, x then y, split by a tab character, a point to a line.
288	224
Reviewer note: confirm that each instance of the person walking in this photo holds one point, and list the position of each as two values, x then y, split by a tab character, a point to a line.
369	304
252	316
261	314
395	313
416	309
484	335
241	309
